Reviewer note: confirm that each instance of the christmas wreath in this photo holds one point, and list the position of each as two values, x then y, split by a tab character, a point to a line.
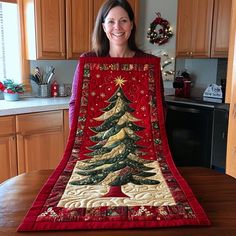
162	35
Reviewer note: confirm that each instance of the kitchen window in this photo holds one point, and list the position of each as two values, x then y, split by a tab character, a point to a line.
13	64
9	42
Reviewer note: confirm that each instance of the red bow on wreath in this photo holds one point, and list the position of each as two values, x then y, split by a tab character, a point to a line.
162	35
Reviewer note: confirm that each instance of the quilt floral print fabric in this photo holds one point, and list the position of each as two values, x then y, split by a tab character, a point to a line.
117	170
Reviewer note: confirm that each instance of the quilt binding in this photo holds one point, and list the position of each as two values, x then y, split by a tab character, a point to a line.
29	222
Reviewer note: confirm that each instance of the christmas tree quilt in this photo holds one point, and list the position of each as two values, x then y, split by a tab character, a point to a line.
117	171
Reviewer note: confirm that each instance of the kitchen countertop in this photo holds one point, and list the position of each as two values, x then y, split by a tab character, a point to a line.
194	101
28	105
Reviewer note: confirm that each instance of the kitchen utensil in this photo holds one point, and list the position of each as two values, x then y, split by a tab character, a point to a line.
35	79
38	75
50	75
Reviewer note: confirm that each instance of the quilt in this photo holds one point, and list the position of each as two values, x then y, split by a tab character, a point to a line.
117	170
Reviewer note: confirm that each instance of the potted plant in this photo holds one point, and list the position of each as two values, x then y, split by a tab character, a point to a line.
11	89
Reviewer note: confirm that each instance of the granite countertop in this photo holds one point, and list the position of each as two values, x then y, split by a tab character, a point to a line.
28	105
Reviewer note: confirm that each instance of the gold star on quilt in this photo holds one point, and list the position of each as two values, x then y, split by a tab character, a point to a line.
120	81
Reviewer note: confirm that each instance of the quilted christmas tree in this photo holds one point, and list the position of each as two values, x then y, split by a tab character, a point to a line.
116	154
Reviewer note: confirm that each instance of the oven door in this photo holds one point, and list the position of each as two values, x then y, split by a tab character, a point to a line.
189	132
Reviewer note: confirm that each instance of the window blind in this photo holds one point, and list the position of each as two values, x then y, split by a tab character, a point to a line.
2	47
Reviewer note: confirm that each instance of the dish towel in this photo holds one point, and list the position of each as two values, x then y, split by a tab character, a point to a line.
117	171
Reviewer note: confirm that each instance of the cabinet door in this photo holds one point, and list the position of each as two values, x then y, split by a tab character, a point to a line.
201	35
40	140
194	28
221	27
45	29
96	6
78	27
184	28
8	167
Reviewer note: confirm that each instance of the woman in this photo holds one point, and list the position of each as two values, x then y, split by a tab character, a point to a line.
113	36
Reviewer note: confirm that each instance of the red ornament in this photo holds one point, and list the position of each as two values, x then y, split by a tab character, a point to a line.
54	89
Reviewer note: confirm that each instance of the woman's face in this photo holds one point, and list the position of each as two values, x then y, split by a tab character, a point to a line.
117	26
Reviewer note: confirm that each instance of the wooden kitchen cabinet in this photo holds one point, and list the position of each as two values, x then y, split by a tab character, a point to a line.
8	158
44	29
203	28
60	29
40	140
221	28
57	29
79	22
194	22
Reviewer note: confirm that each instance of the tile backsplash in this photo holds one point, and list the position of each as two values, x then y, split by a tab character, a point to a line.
64	72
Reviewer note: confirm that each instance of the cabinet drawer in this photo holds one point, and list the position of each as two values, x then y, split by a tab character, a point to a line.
7	125
39	121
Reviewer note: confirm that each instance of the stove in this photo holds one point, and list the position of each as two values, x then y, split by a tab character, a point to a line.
197	131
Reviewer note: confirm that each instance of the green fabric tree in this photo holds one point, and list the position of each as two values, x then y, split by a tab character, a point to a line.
115	156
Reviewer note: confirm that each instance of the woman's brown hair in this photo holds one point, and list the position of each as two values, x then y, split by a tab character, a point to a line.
100	41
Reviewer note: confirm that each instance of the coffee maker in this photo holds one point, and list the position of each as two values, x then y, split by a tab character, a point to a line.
182	85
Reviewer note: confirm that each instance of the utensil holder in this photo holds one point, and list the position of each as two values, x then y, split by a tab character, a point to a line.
43	91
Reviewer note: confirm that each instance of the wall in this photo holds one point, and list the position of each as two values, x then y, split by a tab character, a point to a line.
64	70
203	72
168	11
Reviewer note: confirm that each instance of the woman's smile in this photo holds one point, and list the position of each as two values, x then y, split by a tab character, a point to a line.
117	27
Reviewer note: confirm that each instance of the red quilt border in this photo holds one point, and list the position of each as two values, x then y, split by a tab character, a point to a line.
29	222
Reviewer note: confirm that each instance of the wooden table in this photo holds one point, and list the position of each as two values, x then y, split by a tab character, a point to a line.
215	191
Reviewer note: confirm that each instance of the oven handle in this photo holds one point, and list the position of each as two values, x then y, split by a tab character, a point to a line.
183	109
